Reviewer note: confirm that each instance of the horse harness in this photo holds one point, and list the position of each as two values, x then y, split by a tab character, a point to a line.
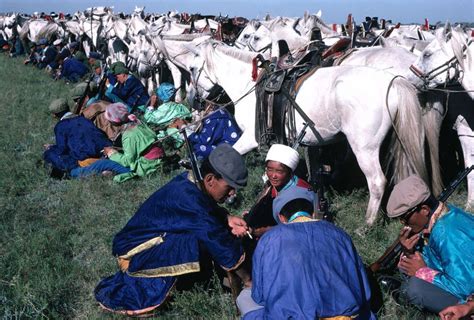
276	89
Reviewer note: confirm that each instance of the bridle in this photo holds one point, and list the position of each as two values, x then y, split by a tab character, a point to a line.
452	63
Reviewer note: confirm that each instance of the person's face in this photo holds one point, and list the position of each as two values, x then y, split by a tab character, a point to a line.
218	189
121	78
418	219
278	174
98	70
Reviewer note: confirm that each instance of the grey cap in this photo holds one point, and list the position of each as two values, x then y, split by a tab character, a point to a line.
58	106
230	165
290	194
406	195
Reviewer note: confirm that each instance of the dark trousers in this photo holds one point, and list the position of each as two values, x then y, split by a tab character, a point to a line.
427	296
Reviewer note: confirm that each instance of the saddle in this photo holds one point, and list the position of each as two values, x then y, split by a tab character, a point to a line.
278	83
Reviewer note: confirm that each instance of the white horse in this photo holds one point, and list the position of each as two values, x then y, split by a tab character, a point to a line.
443	59
337	100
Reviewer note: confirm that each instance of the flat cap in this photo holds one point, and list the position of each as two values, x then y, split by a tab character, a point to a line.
290	194
58	106
95	55
406	195
78	90
230	165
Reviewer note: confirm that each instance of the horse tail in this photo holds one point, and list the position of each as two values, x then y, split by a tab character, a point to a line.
407	141
431	119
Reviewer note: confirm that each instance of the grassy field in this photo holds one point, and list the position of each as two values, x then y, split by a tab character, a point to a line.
56	236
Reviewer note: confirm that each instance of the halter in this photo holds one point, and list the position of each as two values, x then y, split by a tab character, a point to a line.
430	75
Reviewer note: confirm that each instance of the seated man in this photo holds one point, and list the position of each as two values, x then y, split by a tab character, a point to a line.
174	235
305	268
77	139
128	89
441	274
71	69
48	56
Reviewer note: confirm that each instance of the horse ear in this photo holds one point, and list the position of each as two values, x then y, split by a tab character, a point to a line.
448	29
305	16
267	17
319	14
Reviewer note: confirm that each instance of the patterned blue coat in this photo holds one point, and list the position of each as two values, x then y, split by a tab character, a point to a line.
219	127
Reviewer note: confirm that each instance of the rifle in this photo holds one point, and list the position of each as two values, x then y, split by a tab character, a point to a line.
395	248
80	102
103	81
193	160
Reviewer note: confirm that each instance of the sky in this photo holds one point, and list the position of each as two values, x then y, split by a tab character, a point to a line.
333	11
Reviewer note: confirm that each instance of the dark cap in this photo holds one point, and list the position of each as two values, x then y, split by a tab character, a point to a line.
406	195
95	55
230	165
290	194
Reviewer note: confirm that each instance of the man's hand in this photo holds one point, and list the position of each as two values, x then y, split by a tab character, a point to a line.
456	312
108	151
410	264
46	146
238	225
153	100
408	243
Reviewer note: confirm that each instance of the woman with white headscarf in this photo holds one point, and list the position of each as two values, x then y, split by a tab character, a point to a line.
280	165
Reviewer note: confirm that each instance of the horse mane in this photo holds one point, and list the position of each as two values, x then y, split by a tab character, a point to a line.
239	54
184	37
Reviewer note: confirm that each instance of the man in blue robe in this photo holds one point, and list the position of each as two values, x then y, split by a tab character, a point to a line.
441	274
127	89
172	234
305	268
72	69
77	139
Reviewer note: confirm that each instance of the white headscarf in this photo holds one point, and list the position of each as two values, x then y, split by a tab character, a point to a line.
283	154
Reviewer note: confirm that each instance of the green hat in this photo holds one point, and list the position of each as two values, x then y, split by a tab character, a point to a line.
96	64
118	68
79	89
58	106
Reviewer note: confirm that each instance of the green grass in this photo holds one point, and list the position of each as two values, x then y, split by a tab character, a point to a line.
56	236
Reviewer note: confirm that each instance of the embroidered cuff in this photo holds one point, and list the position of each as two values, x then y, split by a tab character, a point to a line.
426	274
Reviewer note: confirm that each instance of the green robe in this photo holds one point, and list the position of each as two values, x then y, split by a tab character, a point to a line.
134	142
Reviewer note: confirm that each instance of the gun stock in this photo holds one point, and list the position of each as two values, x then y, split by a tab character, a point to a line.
395	248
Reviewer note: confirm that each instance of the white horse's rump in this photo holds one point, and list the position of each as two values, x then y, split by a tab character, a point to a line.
361	102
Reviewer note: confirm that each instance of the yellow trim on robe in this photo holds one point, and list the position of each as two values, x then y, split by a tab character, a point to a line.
340	318
168	271
303	219
242	258
142	247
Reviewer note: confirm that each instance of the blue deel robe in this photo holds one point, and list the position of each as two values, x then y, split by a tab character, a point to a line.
450	251
308	270
49	57
73	69
219	127
77	138
132	92
185	221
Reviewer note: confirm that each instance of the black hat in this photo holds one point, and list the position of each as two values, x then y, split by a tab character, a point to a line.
230	165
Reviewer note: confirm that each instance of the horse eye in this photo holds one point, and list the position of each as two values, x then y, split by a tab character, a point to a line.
427	54
246	36
256	38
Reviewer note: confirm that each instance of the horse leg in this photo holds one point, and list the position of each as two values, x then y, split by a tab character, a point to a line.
466	137
368	159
